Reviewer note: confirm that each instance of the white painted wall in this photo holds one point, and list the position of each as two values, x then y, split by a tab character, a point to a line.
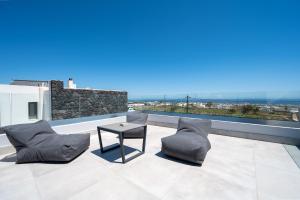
14	103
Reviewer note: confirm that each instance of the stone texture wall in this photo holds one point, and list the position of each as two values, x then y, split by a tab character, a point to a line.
74	103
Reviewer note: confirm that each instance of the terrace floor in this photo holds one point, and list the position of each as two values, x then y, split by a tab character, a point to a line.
234	169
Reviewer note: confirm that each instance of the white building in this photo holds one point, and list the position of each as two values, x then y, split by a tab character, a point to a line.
26	101
131	105
293	110
181	104
200	105
71	84
23	104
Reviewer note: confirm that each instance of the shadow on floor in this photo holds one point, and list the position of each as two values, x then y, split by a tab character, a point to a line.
9	158
294	152
162	155
114	155
13	158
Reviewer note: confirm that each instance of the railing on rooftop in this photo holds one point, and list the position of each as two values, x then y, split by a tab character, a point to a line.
272	117
255	108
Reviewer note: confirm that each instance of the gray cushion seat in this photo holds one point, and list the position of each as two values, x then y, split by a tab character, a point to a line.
190	143
137	118
38	142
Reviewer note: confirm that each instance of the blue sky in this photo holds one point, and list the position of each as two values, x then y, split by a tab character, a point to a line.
154	47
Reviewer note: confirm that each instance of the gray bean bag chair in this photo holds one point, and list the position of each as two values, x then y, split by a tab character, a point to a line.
190	143
38	142
136	117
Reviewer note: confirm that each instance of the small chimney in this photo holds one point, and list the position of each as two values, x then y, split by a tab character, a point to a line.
71	84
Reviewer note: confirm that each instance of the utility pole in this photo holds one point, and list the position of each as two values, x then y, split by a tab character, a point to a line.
165	103
187	103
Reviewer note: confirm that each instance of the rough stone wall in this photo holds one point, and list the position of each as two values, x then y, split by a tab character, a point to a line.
74	103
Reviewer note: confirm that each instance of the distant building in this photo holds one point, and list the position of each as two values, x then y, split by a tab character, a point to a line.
131	105
265	108
279	108
71	84
181	104
293	110
224	106
152	103
199	105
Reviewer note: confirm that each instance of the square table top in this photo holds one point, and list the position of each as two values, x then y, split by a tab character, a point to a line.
116	127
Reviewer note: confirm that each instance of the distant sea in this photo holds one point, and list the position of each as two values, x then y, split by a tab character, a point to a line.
295	102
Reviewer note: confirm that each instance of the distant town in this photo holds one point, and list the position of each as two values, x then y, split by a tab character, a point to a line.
279	111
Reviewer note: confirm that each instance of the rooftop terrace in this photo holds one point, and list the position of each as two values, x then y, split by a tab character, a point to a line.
234	168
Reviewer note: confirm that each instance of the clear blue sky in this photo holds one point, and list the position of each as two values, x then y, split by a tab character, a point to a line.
151	47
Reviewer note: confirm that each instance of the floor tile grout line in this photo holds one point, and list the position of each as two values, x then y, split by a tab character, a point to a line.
169	190
131	182
255	171
36	184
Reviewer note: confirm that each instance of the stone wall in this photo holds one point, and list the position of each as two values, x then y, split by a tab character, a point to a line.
74	103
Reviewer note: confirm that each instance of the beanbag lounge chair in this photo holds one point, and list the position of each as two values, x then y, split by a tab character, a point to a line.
136	117
38	142
190	143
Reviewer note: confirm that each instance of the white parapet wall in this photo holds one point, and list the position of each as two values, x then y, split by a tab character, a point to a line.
279	134
287	135
89	126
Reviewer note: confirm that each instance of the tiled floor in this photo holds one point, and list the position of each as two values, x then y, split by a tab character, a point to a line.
234	169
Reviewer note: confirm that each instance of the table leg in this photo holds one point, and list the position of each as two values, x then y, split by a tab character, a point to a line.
100	140
122	147
144	139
